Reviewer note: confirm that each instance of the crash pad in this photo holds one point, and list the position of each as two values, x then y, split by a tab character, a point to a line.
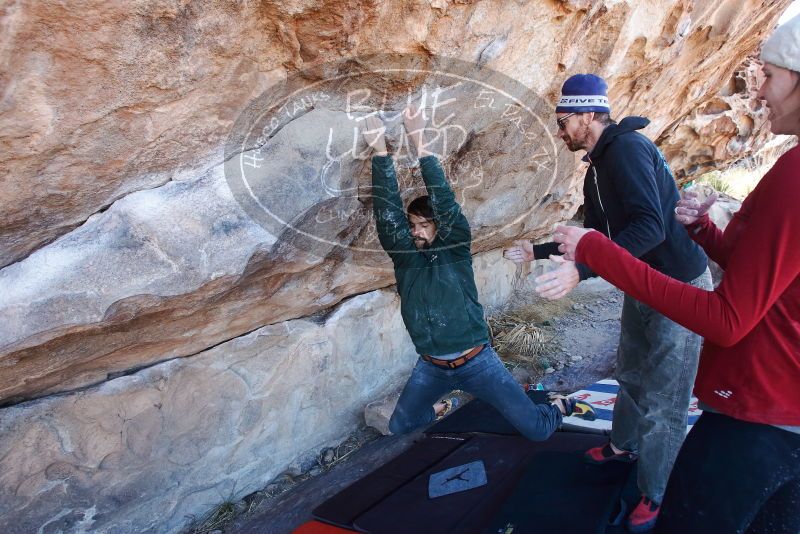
317	527
559	492
602	396
395	497
343	508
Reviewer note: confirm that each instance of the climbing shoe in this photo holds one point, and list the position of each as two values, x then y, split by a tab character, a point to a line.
643	517
601	455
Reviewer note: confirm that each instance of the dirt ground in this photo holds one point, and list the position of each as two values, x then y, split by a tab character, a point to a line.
572	344
580	334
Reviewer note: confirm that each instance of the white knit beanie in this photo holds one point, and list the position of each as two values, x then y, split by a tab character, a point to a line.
783	46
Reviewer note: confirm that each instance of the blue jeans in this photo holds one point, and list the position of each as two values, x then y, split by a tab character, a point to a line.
656	366
485	377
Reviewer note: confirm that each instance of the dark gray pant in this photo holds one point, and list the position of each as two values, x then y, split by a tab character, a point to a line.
656	366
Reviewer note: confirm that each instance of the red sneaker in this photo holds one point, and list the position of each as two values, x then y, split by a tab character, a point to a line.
644	516
601	455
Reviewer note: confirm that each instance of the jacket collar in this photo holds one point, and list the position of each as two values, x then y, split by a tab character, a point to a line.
628	124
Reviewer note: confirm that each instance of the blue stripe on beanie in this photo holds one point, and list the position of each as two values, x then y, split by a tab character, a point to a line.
582	93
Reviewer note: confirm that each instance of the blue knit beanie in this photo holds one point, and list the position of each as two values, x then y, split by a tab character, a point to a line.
582	93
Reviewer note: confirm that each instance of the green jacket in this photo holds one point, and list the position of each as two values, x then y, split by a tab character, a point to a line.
438	297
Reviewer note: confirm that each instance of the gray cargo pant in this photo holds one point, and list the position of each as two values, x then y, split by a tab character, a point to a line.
656	367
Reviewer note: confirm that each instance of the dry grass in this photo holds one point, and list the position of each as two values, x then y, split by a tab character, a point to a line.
354	442
519	341
221	516
520	328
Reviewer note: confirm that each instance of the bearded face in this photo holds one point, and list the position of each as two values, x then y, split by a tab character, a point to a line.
423	231
575	132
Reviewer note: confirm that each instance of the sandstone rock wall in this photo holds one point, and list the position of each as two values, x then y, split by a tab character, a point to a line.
143	453
135	286
726	128
128	104
114	97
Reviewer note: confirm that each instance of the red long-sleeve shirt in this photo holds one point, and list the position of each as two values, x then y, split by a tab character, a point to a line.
750	364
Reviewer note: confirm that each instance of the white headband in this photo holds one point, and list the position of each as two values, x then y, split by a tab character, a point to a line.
575	101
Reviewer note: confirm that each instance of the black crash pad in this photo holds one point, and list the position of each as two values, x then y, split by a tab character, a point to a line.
409	509
559	492
343	508
394	498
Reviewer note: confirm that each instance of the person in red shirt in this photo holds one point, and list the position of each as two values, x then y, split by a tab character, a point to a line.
739	468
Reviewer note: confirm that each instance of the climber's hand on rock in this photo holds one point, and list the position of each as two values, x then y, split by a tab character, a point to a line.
374	133
415	122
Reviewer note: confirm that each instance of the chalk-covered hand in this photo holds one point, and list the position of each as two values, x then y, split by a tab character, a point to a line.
374	134
521	252
569	236
688	209
415	122
558	282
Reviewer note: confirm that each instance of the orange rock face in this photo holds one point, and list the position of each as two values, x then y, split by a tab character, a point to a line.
123	247
726	128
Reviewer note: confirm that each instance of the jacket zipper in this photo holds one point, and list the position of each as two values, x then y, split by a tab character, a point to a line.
600	200
431	259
